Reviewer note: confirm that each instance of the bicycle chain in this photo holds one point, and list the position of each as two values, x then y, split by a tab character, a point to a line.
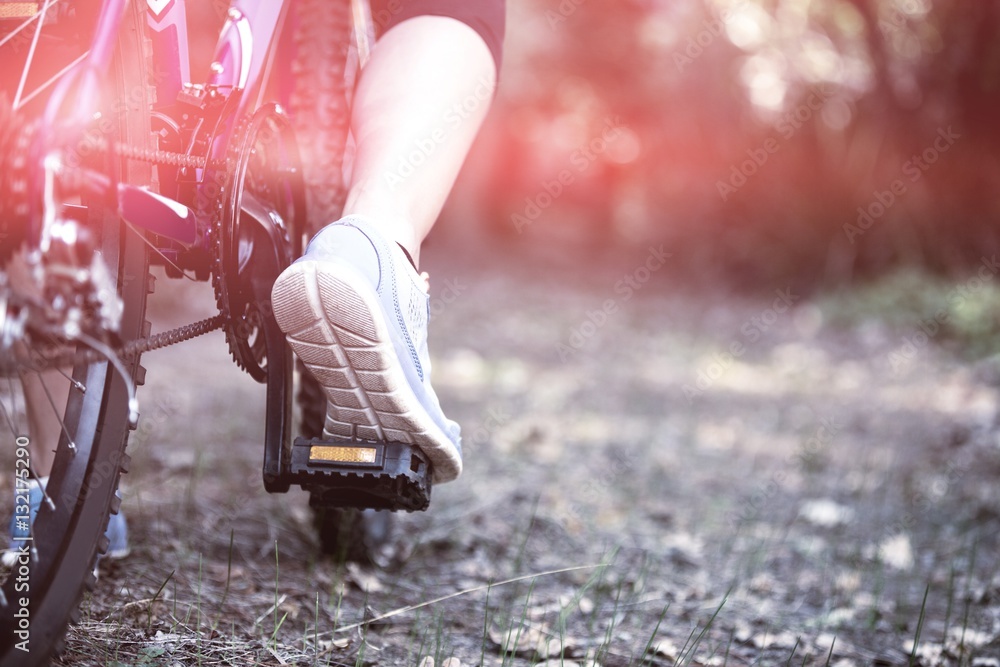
188	331
161	157
142	345
215	232
175	336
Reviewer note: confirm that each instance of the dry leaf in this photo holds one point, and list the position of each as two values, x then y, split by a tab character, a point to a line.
825	641
774	640
825	513
985	662
927	653
366	581
452	662
896	552
291	608
667	649
968	638
330	644
714	661
532	641
427	662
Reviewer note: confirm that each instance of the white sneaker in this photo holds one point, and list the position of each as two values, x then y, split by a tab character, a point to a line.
355	311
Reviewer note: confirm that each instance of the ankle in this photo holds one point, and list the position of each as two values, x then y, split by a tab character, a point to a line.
394	228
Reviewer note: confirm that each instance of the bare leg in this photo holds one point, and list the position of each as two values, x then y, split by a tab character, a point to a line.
420	102
421	99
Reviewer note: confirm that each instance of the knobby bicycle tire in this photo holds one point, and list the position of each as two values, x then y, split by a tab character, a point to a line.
320	103
83	484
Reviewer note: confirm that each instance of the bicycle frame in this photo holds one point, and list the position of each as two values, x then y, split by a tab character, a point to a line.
251	45
207	129
244	56
124	167
247	51
249	48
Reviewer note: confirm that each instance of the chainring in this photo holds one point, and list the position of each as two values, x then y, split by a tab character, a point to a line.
258	230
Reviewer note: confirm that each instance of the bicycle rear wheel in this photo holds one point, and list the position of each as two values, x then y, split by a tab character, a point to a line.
42	591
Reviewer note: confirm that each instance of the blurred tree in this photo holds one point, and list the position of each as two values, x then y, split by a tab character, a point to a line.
754	134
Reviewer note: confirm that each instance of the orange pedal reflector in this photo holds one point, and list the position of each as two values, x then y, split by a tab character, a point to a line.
338	454
18	10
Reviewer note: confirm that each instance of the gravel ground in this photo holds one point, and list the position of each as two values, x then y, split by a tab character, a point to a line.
655	472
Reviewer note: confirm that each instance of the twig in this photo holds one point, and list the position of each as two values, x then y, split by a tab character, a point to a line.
476	589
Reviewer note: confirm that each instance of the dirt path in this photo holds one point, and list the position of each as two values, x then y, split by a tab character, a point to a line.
727	478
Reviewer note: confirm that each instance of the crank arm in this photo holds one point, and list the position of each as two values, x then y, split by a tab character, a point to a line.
158	214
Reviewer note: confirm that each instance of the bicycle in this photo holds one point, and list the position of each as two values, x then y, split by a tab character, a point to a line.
111	162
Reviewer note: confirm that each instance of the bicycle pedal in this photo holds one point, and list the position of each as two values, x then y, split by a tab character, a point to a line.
362	474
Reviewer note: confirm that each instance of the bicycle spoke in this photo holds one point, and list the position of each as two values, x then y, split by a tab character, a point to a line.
58	413
76	384
9	417
31	53
55	77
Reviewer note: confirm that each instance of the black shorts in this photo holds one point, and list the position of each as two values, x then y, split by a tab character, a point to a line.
487	17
